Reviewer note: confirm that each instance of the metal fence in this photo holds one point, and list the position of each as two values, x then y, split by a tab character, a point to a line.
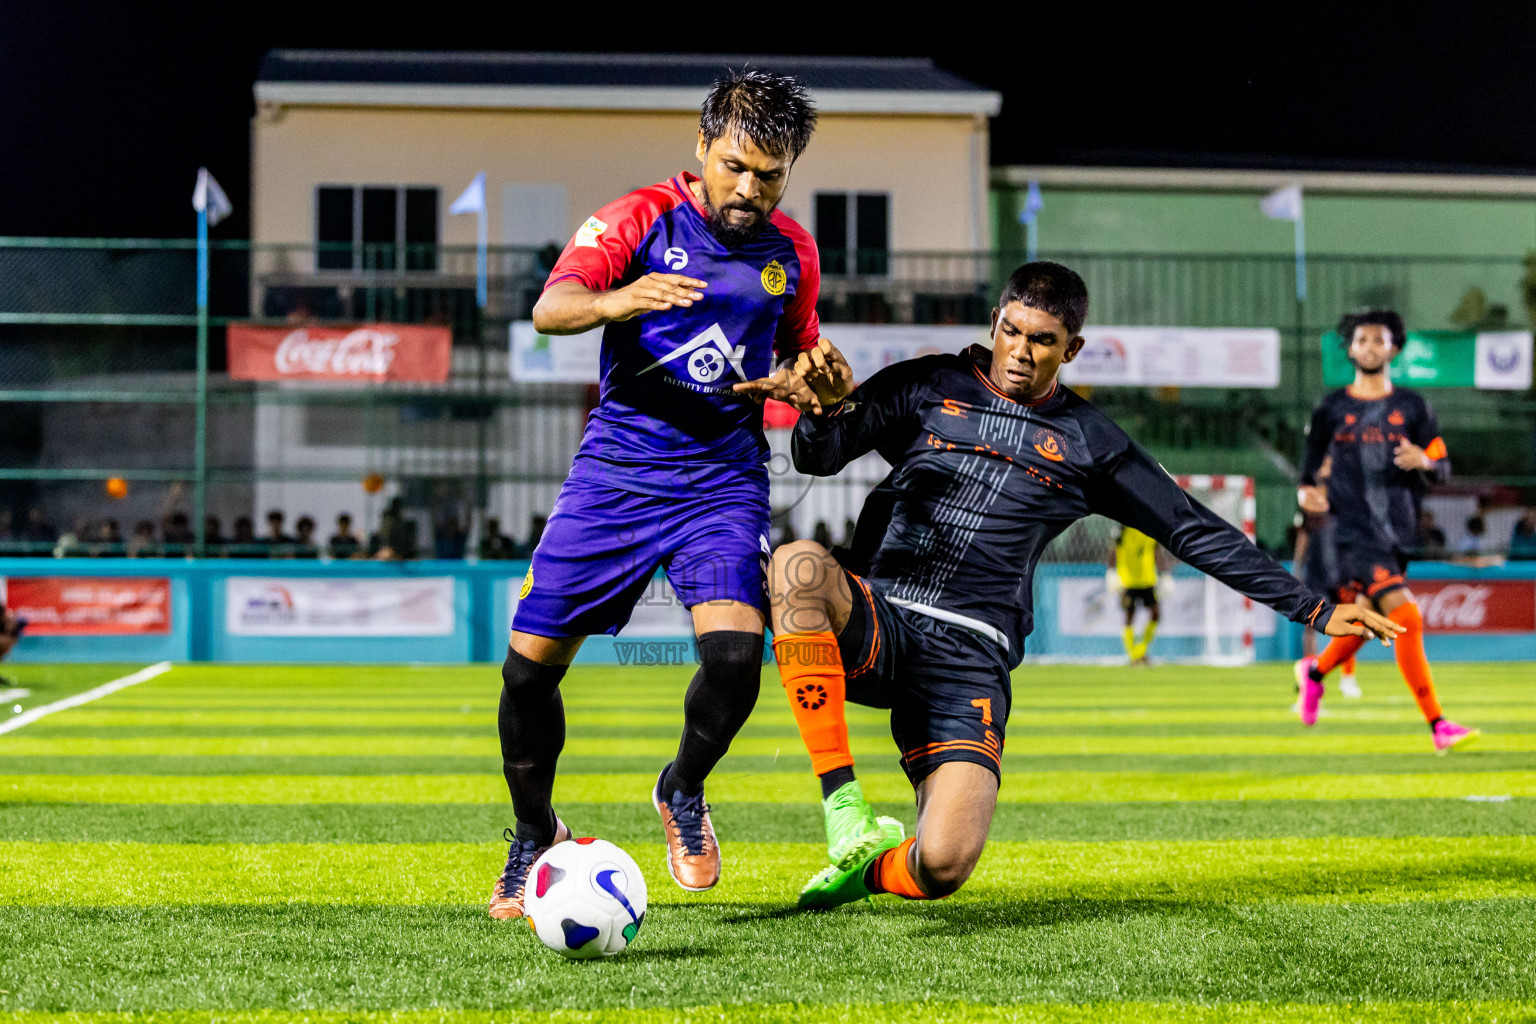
100	379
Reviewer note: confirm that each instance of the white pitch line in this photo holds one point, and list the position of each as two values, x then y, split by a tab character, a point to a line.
28	717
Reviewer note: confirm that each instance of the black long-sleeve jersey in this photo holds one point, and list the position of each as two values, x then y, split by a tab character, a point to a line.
1372	500
981	483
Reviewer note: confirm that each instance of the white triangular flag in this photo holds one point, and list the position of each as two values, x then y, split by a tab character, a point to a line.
472	200
1283	203
208	196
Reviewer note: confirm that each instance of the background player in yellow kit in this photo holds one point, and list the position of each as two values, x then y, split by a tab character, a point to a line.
1133	572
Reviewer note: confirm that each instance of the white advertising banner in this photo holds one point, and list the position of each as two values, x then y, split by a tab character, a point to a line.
1503	360
270	606
1217	357
1085	607
1190	357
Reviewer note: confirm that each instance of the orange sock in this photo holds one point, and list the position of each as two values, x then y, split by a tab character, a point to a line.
1340	650
891	874
1349	665
812	672
1411	662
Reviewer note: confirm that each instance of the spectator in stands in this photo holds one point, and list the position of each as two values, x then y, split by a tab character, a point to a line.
380	546
279	544
849	528
38	531
213	534
449	536
344	543
1522	542
1430	540
536	527
243	544
177	533
108	541
1476	540
71	543
304	538
142	543
821	533
495	545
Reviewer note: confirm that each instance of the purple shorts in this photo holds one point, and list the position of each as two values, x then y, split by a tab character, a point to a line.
602	547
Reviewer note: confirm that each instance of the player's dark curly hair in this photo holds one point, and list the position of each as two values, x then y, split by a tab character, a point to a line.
774	111
1381	317
1052	288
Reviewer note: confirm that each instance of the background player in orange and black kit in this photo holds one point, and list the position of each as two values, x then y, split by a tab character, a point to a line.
992	459
1383	446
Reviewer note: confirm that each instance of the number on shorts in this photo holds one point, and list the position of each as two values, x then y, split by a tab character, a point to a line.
985	703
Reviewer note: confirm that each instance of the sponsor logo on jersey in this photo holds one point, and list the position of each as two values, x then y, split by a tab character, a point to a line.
707	364
586	235
675	258
1349	419
1049	444
527	584
1395	418
774	278
955	407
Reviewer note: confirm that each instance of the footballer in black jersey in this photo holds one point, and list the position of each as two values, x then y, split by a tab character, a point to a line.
991	459
1383	446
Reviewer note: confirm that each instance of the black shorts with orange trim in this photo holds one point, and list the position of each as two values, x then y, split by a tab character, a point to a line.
947	687
1371	569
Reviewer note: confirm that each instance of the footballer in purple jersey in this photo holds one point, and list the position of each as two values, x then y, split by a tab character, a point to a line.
699	283
929	611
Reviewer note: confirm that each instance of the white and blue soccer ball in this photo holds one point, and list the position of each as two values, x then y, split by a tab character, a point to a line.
585	899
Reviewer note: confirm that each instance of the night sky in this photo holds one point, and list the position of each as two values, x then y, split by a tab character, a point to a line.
106	111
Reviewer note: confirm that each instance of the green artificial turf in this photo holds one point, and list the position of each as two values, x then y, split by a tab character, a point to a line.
285	843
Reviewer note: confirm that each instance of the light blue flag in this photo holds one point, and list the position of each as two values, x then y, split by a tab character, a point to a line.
1033	204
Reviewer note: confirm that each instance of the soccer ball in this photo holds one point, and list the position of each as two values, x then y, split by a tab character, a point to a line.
585	899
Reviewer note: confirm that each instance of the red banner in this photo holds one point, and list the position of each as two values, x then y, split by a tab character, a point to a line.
1476	606
90	606
371	352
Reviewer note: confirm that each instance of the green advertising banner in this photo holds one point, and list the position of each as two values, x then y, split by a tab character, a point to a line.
1499	360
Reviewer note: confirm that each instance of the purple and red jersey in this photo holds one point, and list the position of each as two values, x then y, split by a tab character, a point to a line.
667	421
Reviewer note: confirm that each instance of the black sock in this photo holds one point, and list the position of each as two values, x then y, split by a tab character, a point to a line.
532	725
721	696
835	780
1436	721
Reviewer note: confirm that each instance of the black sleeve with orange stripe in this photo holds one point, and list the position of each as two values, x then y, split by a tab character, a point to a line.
1133	489
1425	433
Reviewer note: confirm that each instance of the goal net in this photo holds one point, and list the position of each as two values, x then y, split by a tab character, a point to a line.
1078	618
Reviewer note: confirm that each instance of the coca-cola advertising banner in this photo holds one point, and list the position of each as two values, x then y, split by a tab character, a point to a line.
89	605
370	352
1476	606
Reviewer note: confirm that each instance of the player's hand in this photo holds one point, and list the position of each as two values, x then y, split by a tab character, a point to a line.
1408	455
785	385
826	371
652	293
1312	499
1358	620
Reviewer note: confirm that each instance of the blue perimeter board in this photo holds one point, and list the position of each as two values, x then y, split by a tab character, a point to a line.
482	598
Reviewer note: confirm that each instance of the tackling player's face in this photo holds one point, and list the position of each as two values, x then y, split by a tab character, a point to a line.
1028	347
742	185
1371	348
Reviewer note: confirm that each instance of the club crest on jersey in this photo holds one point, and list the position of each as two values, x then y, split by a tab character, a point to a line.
1049	444
586	235
1395	418
774	278
675	258
705	364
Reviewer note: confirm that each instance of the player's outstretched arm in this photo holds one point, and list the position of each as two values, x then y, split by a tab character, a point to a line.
570	307
814	381
1357	620
876	414
1132	488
